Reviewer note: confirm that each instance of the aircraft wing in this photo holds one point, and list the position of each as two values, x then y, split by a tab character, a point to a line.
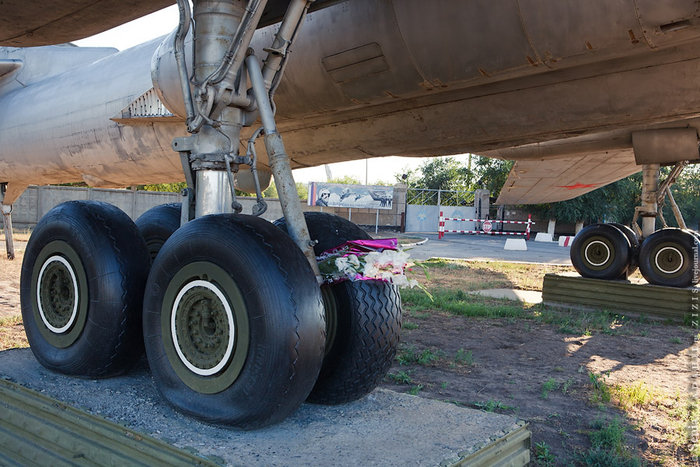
546	181
29	24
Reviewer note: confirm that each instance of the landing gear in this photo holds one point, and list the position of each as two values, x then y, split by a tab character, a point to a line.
670	257
602	251
233	321
363	321
82	283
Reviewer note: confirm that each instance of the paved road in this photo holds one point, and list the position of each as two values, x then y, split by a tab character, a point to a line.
487	247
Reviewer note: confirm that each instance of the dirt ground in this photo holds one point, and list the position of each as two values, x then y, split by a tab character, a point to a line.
539	372
512	360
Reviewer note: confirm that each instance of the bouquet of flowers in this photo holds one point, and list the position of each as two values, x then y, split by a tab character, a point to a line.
359	260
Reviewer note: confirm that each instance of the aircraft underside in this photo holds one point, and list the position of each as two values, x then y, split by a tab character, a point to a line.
234	316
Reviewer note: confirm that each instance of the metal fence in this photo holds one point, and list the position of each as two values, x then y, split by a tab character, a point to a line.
433	197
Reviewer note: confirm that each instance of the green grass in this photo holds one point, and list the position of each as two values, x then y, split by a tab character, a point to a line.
492	406
676	340
409	355
400	377
464	357
608	448
548	386
601	390
415	389
543	457
458	302
410	325
633	395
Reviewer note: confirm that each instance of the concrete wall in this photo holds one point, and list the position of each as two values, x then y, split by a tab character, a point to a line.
38	200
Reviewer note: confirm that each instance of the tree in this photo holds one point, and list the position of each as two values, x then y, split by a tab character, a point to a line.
445	173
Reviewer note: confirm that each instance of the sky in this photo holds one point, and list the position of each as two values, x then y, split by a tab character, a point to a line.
367	171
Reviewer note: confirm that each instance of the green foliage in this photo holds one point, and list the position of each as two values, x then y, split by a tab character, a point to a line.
271	191
415	390
608	448
549	386
601	390
492	406
409	355
409	325
543	457
464	357
444	173
492	173
401	377
164	187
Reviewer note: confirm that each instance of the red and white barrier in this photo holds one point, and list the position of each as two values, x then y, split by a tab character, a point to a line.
486	225
566	240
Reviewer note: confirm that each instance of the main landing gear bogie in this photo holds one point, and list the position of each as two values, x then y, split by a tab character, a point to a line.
667	257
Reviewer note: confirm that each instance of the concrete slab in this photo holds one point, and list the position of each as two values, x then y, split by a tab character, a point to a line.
517	244
543	237
384	428
525	296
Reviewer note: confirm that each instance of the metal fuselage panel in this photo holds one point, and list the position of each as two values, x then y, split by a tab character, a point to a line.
374	78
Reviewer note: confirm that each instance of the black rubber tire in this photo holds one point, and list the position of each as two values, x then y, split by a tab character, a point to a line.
634	245
328	230
669	257
157	225
364	321
366	337
101	247
601	251
277	307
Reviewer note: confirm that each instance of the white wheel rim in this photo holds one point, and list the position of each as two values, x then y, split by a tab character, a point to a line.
607	250
676	251
74	312
229	318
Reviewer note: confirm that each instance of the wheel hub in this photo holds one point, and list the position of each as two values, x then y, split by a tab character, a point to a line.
597	253
57	294
669	260
203	328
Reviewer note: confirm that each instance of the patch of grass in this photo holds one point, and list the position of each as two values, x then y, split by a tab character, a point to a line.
492	406
409	355
458	302
601	390
567	384
543	456
410	325
464	357
415	389
400	377
443	385
608	448
548	386
676	340
633	395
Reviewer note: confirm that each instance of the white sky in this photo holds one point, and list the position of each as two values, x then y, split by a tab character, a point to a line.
163	21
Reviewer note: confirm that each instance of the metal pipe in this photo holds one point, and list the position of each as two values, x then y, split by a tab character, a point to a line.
278	51
676	211
7	222
281	168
